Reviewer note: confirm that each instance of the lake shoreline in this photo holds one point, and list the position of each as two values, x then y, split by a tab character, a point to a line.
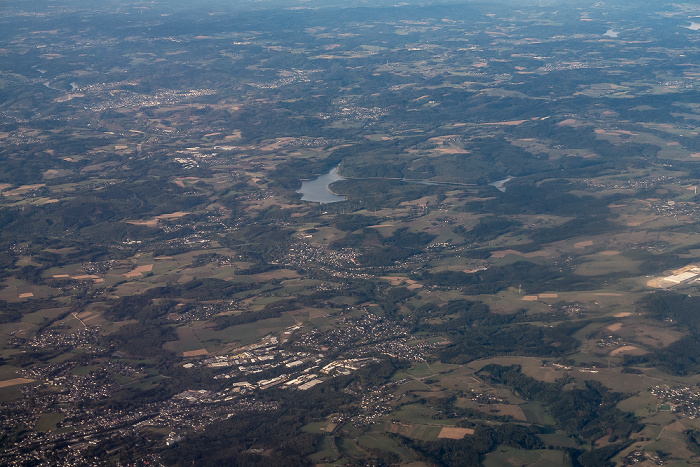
311	188
318	190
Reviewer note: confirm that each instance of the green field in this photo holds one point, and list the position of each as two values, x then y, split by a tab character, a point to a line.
536	413
326	451
44	315
48	421
10	394
242	334
505	456
376	440
418	414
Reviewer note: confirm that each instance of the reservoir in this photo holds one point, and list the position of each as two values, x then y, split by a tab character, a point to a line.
501	184
317	190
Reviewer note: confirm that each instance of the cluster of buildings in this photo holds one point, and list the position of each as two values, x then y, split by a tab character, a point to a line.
62	383
364	336
633	183
684	275
352	330
374	404
58	390
487	398
302	253
50	339
195	313
80	424
289	77
637	457
300	370
302	142
682	400
116	99
355	113
403	348
101	267
609	341
674	208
